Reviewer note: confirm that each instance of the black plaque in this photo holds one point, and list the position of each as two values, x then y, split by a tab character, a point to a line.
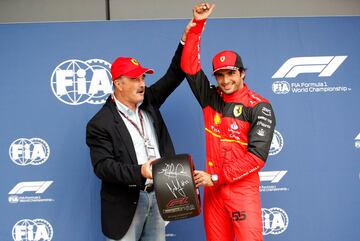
176	194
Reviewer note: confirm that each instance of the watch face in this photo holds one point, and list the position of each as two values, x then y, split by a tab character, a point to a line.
214	178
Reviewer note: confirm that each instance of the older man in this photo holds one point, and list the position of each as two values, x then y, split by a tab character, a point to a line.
124	138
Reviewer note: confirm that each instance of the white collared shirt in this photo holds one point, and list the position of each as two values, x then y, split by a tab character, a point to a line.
138	140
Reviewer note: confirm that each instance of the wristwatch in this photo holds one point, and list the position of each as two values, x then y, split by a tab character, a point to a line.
214	177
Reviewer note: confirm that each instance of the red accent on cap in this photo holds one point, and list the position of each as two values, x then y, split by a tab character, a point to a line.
129	67
226	60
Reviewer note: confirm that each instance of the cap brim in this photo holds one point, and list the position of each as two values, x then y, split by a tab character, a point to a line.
226	67
138	72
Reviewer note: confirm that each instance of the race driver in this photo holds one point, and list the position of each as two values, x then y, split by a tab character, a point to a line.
239	126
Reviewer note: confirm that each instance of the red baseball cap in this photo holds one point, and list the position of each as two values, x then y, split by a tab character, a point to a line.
227	59
129	67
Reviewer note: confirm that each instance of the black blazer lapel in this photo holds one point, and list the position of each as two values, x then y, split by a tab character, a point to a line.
124	133
125	136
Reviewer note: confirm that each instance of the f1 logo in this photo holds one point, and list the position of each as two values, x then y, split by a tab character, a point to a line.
272	176
325	65
357	141
37	187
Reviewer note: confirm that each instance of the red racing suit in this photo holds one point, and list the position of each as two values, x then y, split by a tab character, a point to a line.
238	129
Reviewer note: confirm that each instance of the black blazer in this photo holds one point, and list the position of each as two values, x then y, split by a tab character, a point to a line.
113	155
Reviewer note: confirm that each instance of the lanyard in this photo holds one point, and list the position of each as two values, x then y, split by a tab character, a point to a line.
141	132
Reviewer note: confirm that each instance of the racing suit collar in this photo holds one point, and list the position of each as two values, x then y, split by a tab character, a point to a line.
234	96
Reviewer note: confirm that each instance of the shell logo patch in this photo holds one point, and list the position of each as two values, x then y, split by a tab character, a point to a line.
237	110
217	119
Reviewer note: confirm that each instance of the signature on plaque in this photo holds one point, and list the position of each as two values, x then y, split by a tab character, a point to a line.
178	178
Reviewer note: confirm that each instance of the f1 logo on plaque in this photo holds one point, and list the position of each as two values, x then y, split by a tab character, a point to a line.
175	190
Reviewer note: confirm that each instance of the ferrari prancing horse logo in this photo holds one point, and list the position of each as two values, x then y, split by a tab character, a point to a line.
237	110
134	61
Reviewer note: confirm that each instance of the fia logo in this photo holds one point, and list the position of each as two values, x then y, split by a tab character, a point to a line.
281	87
277	143
35	230
75	82
275	221
34	151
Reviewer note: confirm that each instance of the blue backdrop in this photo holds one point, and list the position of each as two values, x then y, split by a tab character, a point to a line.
54	76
